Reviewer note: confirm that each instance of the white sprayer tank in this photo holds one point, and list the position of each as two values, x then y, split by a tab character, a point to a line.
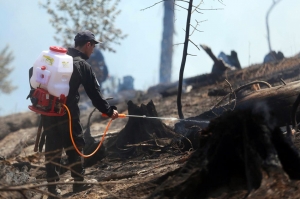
52	71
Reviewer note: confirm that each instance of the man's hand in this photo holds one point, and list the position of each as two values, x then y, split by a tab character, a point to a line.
115	115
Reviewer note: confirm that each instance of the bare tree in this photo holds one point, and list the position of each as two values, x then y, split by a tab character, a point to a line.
70	16
267	22
184	55
6	58
190	10
167	43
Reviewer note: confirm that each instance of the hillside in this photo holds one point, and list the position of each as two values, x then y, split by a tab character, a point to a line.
146	173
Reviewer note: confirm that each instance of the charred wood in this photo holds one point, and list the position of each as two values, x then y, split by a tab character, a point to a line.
219	66
280	100
238	151
139	131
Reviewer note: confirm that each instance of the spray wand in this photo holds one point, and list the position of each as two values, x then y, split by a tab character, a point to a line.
160	118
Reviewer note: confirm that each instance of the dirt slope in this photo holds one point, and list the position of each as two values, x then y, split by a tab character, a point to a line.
135	177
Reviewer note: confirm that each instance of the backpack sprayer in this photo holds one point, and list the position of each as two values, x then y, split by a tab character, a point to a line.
50	79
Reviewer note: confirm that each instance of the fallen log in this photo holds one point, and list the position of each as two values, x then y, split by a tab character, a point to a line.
279	100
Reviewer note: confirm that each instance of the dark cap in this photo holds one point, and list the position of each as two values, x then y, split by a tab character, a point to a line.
86	35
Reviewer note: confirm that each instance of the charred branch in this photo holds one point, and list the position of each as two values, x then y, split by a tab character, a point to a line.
184	54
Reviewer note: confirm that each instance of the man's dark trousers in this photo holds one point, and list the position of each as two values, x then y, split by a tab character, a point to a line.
57	131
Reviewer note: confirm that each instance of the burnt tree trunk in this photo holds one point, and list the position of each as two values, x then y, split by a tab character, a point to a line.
219	67
167	43
242	151
141	134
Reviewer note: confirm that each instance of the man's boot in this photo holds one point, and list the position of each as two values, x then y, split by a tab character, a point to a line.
80	187
53	190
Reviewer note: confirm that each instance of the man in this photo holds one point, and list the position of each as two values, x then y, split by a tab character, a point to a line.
57	129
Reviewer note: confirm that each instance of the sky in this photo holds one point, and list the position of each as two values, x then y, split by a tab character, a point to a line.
238	25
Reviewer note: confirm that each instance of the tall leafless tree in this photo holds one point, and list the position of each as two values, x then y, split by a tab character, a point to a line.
167	43
191	8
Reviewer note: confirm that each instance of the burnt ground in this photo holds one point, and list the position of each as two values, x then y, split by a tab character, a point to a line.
142	174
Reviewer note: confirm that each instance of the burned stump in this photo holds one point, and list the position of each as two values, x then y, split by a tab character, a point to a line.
239	151
141	134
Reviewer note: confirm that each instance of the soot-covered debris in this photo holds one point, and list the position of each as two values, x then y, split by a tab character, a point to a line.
239	151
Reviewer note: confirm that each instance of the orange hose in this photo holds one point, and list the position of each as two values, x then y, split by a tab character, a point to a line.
119	115
72	139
